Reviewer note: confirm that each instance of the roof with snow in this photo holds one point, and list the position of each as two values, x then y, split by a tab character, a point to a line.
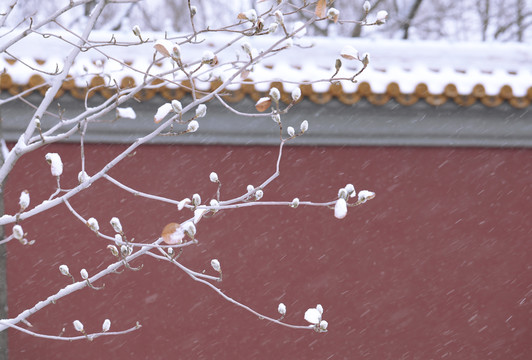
407	72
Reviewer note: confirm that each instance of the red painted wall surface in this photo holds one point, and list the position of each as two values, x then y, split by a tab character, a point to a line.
438	265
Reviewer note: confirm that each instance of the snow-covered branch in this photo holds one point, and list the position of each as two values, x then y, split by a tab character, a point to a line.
172	60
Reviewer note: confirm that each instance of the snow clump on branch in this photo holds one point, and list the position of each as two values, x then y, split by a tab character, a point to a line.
201	111
92	223
381	17
78	325
365	195
281	309
313	316
168	48
304	126
162	111
193	126
340	208
173	234
126	113
56	165
115	223
18	233
106	325
296	94
24	200
216	265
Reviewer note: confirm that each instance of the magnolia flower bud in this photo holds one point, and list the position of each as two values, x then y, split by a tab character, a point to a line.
295	203
64	270
115	223
296	94
126	250
381	17
214	203
313	316
337	64
279	17
250	188
213	177
176	106
246	46
18	233
366	6
193	126
118	240
290	130
37	123
83	177
106	325
332	14
189	228
24	200
276	118
56	165
193	10
78	326
342	193
196	199
323	325
84	274
136	30
281	309
350	190
340	208
259	194
304	126
113	250
208	57
201	111
272	28
275	94
216	265
92	223
365	195
365	59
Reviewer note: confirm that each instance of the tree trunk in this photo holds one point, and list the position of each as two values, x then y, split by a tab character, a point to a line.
411	14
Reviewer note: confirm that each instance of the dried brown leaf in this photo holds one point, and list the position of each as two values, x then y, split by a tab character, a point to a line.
321	9
170	234
160	48
244	74
263	104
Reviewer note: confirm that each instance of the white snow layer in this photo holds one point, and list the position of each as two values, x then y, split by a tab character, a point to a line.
407	63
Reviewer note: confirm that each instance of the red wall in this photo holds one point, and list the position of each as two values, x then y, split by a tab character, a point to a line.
438	265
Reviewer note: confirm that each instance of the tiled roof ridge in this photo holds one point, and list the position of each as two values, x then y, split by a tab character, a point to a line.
247	88
407	72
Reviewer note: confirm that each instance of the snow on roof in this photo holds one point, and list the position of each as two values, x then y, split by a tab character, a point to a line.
406	71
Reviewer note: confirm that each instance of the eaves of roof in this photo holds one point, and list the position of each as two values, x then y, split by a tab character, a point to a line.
407	72
363	91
